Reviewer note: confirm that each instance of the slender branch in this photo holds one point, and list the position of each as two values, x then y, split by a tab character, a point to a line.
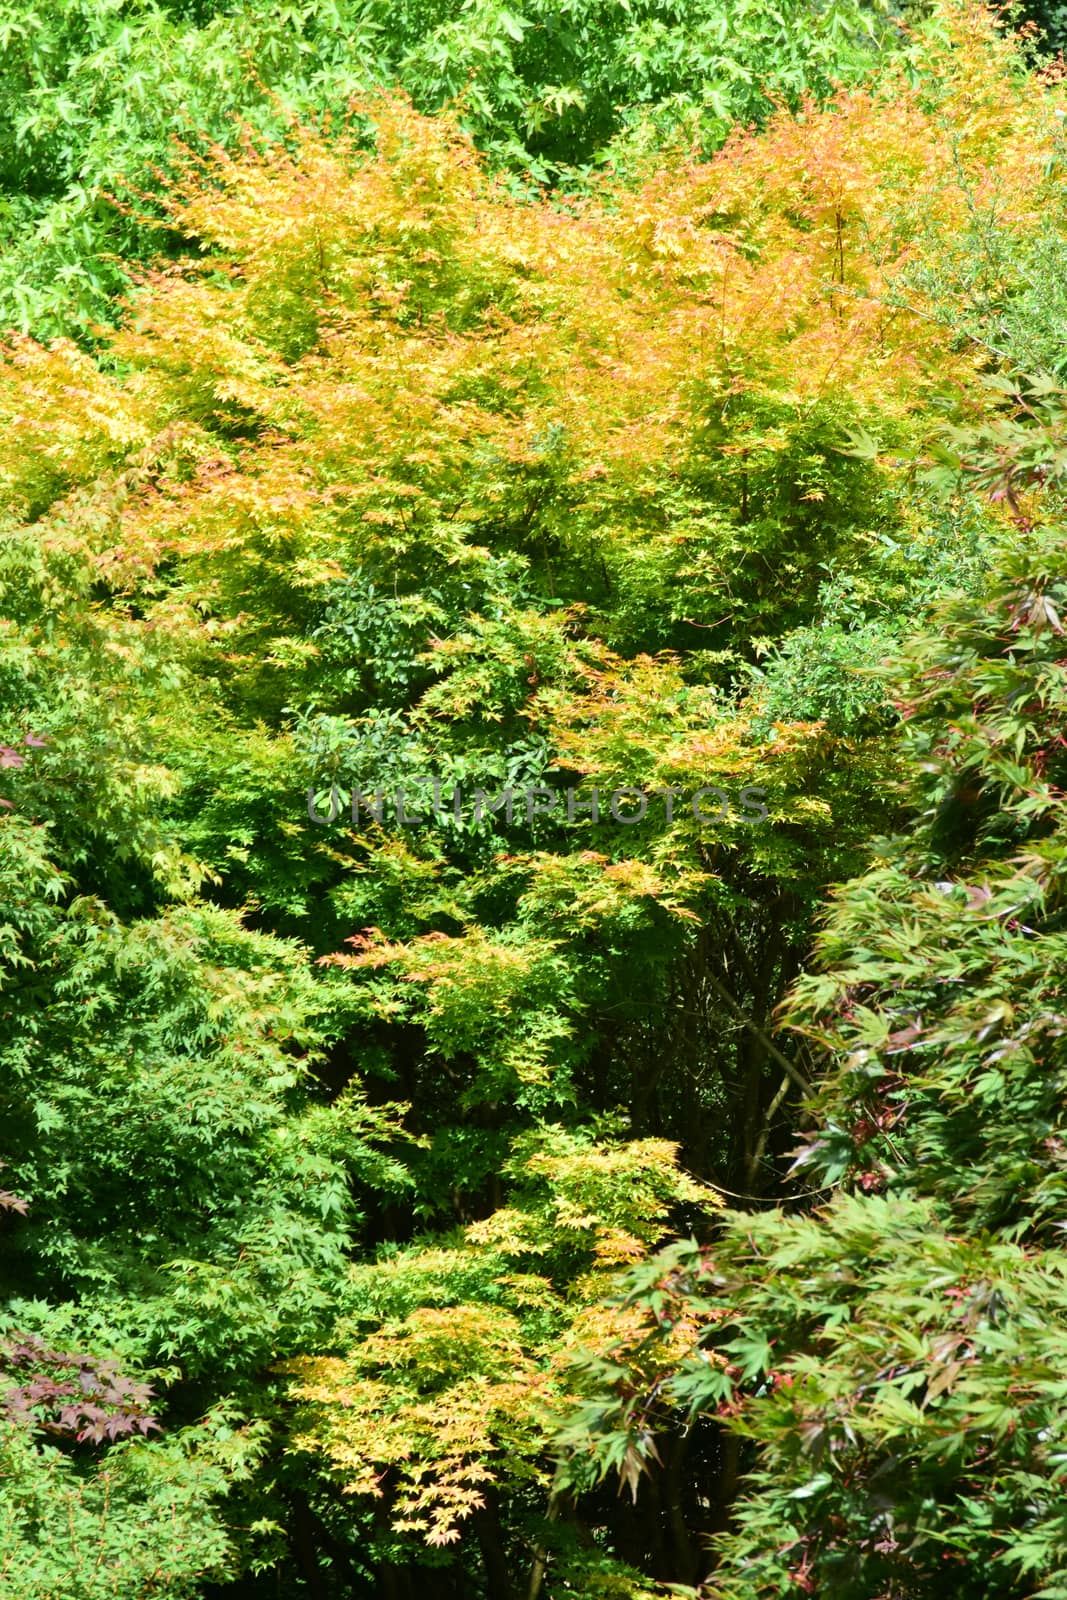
540	1560
765	1130
768	1044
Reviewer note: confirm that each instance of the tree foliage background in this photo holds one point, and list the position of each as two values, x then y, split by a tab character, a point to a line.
641	398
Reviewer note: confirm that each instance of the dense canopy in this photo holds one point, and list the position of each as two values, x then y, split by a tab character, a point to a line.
532	683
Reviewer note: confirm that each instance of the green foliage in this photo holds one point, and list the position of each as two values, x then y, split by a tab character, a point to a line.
903	1385
181	1194
714	472
144	1520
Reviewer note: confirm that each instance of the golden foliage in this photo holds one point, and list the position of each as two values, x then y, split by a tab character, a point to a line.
375	314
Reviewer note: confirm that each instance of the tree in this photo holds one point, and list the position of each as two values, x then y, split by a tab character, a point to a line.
893	1359
402	478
